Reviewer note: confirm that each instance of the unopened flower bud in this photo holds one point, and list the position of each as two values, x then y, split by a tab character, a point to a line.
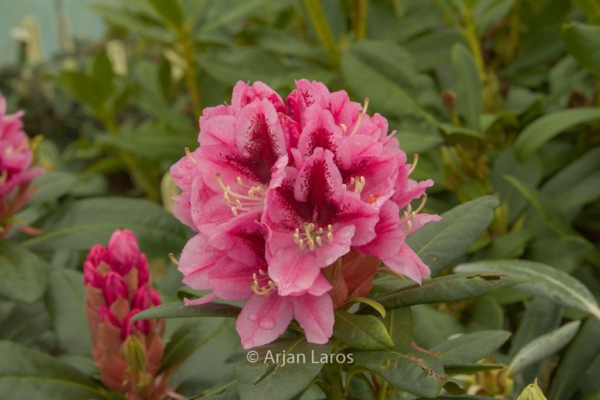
532	392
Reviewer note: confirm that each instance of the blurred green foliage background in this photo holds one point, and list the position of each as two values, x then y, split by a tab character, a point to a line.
497	97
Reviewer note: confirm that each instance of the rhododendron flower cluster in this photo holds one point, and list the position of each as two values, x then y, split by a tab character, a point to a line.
295	204
128	354
16	171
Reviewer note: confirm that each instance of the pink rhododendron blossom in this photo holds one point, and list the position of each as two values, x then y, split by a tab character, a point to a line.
295	204
16	171
117	281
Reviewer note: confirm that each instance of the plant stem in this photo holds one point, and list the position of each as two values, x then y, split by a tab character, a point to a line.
319	22
187	52
360	19
470	32
333	377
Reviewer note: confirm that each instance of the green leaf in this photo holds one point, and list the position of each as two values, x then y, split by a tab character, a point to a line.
547	127
103	76
440	243
82	87
234	13
470	347
542	347
226	389
285	367
418	142
529	172
134	23
553	217
468	369
407	369
22	273
486	314
433	49
385	73
565	253
466	85
434	327
52	185
188	338
399	324
546	282
450	288
81	224
25	374
65	301
541	316
179	310
364	332
583	43
577	357
170	10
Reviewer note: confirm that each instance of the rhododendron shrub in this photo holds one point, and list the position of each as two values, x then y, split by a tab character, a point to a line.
295	203
16	169
128	354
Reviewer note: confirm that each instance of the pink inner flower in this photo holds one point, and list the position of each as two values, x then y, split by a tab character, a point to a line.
279	192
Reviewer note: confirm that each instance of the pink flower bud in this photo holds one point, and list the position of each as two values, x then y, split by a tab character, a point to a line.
118	283
105	314
114	286
122	251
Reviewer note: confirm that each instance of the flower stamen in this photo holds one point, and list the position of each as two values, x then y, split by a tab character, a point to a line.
360	116
414	164
189	154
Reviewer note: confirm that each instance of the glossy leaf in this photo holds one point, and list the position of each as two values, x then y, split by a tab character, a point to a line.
542	347
51	186
407	369
273	378
363	332
399	324
450	288
441	243
466	85
577	357
583	42
545	281
470	347
188	338
65	301
541	316
179	310
81	224
547	127
22	273
25	373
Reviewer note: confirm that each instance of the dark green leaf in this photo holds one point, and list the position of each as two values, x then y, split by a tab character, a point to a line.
65	301
547	210
542	347
468	369
440	243
22	273
407	369
583	42
578	356
81	224
284	369
466	85
27	374
565	253
51	186
179	310
450	288
434	327
541	316
188	338
399	324
545	128
545	281
364	332
470	347
170	10
385	73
